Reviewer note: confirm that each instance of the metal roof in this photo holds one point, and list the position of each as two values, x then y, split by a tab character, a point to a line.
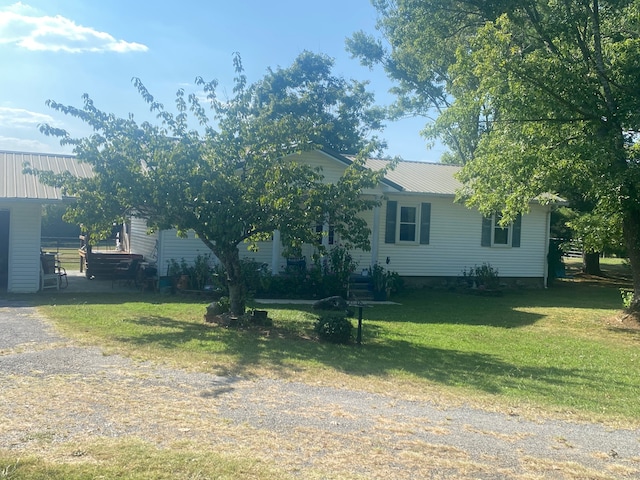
421	177
16	185
412	177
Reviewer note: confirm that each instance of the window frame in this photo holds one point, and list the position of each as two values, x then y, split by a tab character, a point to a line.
402	223
490	224
326	234
495	227
421	223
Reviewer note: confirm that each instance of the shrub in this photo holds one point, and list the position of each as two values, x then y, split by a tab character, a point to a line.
199	272
341	266
627	296
256	275
334	328
223	305
483	276
384	283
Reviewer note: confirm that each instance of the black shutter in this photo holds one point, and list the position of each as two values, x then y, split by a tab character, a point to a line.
487	225
390	225
425	223
517	230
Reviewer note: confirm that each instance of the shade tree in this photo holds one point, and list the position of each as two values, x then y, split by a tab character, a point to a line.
228	168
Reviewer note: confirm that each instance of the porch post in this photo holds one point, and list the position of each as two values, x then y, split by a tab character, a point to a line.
375	235
275	252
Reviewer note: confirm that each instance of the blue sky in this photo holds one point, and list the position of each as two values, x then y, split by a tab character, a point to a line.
61	49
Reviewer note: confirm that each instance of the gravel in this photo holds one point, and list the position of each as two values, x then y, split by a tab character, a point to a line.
393	437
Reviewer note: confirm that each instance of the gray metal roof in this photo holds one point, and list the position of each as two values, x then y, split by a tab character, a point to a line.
421	177
15	185
413	177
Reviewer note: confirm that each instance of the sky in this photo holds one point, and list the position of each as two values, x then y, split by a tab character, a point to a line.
62	49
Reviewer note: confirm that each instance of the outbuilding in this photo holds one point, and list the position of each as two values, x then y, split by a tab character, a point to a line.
22	197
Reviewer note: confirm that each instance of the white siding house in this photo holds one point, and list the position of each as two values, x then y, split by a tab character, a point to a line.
21	199
418	230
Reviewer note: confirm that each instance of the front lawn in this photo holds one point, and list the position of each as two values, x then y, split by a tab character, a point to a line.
560	350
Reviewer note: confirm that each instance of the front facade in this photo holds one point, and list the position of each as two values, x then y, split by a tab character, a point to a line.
22	197
418	230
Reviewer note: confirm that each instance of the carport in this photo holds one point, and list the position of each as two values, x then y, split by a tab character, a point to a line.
22	197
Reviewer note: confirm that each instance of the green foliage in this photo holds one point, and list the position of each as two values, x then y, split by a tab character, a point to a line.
598	232
484	276
384	282
627	297
223	305
533	97
53	224
334	328
257	276
337	270
200	272
234	177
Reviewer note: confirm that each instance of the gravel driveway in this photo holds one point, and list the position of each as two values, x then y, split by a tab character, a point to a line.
55	393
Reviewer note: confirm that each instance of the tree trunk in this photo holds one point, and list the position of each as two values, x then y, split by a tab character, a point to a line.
230	259
631	230
591	263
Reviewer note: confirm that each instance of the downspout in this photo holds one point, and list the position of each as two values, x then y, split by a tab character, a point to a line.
547	234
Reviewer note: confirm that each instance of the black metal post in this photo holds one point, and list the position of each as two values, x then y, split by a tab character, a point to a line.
359	335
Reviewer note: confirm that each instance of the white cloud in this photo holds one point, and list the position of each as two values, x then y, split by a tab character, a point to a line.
23	26
14	144
22	118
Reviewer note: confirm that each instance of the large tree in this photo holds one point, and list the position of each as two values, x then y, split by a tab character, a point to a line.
234	178
543	95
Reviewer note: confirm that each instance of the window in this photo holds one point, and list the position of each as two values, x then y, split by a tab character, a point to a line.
325	234
500	234
407	224
410	224
495	235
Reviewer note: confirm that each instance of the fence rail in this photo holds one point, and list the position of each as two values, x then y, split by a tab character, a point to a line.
67	249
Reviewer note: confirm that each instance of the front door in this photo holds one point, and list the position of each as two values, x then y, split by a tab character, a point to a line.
4	249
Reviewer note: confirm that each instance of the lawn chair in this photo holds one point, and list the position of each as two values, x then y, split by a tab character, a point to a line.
126	271
49	277
63	280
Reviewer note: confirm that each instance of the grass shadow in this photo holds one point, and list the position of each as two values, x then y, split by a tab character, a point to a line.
379	356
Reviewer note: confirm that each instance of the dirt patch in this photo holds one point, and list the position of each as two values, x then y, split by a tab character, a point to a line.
625	321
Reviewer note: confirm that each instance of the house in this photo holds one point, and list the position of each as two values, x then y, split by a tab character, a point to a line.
418	230
22	197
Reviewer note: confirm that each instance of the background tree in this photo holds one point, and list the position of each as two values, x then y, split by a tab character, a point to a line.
236	179
546	93
54	225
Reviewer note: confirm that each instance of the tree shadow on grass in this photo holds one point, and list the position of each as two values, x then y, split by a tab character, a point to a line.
279	351
443	307
507	311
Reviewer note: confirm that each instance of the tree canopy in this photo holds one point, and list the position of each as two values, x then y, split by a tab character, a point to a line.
233	177
535	97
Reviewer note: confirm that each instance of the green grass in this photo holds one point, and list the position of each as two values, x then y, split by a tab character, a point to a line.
134	460
555	349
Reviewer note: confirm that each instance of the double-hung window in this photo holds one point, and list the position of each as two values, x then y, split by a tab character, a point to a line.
407	223
496	235
325	234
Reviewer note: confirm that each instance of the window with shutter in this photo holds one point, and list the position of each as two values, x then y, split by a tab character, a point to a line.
407	223
495	235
